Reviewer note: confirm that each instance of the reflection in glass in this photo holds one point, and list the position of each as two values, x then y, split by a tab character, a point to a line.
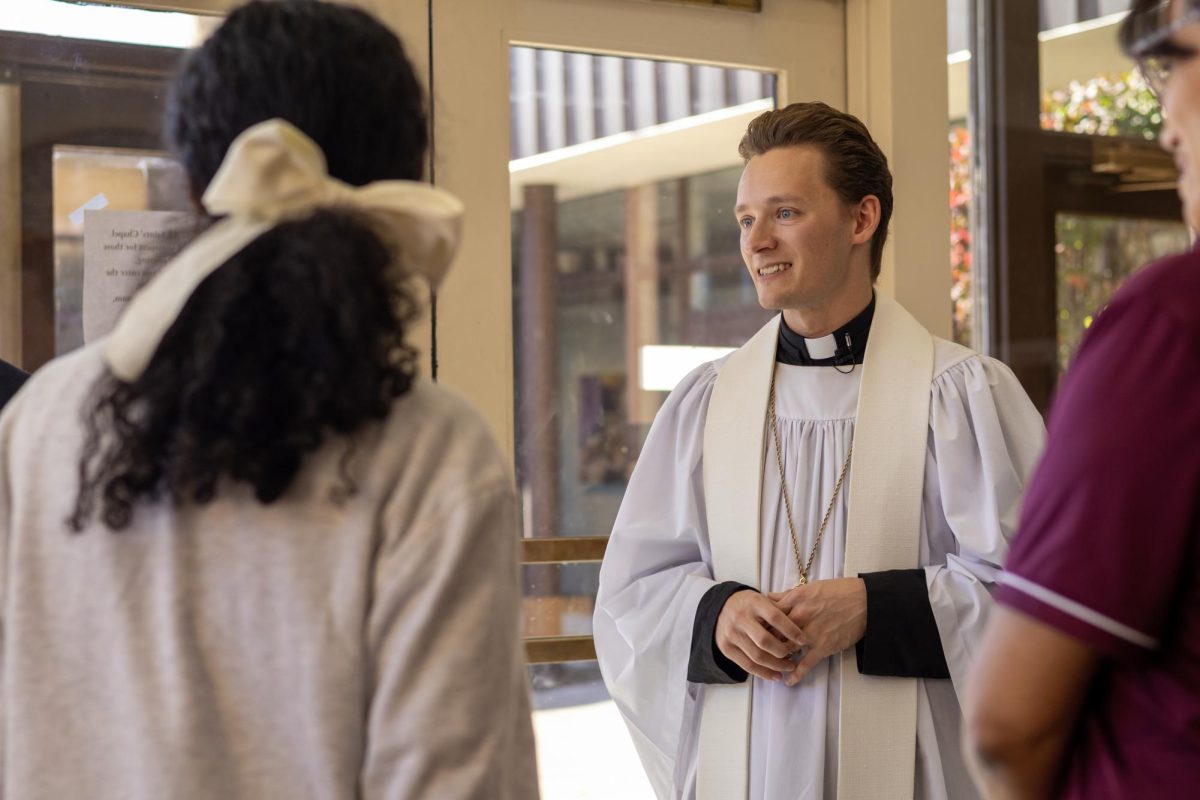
626	268
105	23
1088	85
559	99
962	292
95	178
69	107
622	241
568	611
958	64
1094	256
684	286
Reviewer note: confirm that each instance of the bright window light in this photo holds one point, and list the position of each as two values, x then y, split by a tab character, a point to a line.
1082	27
617	139
663	366
105	23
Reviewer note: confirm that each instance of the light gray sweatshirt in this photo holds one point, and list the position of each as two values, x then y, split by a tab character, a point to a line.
304	649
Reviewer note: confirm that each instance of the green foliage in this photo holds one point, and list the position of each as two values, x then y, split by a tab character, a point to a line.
1116	105
960	232
1093	254
1093	257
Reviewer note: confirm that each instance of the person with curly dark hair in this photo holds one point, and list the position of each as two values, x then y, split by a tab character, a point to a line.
287	566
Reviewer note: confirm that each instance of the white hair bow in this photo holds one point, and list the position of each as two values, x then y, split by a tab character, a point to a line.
273	172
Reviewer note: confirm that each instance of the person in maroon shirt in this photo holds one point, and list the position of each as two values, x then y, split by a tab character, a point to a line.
1088	680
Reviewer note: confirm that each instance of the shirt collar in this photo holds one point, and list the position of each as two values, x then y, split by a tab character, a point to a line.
846	345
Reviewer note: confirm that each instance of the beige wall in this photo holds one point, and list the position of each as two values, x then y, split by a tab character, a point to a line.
892	47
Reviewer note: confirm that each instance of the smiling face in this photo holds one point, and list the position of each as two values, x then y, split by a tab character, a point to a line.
1181	102
807	251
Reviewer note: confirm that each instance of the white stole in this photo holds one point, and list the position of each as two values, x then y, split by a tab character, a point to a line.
877	745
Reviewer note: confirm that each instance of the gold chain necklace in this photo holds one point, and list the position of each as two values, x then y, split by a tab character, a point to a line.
802	570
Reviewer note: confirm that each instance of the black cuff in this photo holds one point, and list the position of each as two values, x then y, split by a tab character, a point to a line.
902	637
707	664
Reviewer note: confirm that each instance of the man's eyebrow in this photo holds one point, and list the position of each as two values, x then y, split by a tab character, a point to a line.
774	200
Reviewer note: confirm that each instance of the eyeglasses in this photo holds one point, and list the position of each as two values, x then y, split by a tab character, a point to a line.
1146	37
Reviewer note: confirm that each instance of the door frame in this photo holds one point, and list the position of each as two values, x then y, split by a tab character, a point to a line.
860	55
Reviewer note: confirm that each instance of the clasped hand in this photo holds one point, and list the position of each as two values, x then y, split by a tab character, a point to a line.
763	634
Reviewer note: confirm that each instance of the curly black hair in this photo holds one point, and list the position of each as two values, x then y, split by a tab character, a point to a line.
301	334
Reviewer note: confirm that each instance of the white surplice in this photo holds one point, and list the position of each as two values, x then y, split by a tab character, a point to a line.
984	438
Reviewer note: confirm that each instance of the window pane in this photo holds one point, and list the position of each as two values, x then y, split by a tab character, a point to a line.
627	274
104	181
81	99
559	598
623	244
1094	256
1087	84
958	69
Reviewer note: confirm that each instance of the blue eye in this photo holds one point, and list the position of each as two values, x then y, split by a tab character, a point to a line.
786	213
745	222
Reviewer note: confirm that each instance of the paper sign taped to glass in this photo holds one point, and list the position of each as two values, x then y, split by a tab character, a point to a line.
122	250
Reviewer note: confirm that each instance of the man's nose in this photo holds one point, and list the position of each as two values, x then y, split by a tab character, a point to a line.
760	236
1168	137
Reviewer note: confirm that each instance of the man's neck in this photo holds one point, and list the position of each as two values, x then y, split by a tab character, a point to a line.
813	323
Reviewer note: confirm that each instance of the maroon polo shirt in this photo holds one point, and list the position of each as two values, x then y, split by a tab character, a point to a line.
1108	549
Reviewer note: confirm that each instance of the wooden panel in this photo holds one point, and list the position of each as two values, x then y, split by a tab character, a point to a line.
556	649
566	549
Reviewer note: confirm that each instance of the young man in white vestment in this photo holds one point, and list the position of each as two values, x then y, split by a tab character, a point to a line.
804	557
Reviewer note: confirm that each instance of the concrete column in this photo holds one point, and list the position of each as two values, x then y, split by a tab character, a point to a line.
537	399
641	294
537	357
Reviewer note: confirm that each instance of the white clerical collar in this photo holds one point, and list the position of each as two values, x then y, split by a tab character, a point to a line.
823	347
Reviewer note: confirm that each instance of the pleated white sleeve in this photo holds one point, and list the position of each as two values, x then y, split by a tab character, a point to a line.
985	437
655	570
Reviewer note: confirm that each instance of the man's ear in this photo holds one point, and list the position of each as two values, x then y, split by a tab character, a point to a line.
866	219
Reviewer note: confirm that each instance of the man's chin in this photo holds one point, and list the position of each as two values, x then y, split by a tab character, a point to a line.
769	302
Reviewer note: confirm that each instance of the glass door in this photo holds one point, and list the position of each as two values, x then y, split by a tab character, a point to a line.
599	164
82	89
81	98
